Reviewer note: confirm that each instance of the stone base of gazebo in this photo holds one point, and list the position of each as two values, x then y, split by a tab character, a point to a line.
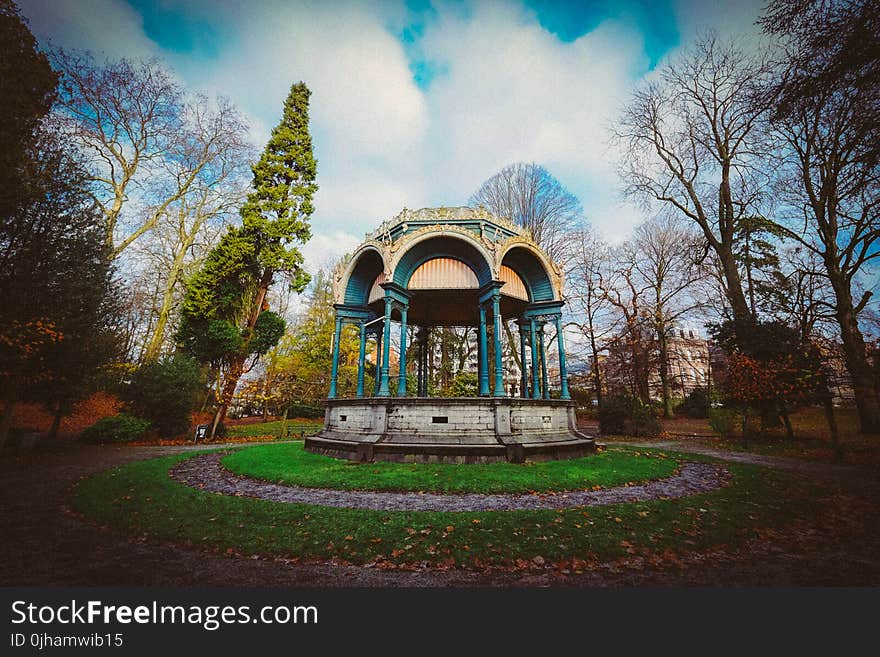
459	430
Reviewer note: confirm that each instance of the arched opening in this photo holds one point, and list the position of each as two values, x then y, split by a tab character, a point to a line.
443	274
530	269
368	267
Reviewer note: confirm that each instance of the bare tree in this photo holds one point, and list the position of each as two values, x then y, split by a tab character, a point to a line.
214	145
828	184
588	257
664	256
531	197
689	145
135	125
806	299
630	343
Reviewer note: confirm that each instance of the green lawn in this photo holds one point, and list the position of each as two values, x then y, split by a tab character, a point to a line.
290	464
308	427
141	498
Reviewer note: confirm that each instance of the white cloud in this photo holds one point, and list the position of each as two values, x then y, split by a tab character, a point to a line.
515	92
367	115
108	28
324	250
508	91
733	18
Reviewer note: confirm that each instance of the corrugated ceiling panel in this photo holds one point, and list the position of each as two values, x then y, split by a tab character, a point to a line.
443	274
513	284
377	292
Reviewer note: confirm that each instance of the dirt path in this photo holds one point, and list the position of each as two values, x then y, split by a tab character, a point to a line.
863	481
43	544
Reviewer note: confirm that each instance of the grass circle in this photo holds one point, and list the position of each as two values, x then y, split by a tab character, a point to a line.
143	499
290	464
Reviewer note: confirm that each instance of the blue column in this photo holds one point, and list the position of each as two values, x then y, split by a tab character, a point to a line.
378	334
524	382
496	320
384	390
362	356
563	370
536	386
334	367
401	379
546	388
484	358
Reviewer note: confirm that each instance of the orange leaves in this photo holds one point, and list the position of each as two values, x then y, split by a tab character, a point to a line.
90	410
35	417
30	336
753	381
29	343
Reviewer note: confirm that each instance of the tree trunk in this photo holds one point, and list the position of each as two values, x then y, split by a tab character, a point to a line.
154	346
56	423
789	431
642	372
6	421
828	406
749	282
445	366
664	372
236	367
855	355
597	376
514	351
739	307
283	433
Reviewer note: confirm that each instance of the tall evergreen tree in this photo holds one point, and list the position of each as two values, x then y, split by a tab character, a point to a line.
27	90
225	316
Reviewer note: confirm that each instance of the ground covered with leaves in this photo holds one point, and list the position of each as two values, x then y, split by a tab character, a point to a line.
141	498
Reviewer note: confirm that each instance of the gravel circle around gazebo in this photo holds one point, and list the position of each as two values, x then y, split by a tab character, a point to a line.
205	472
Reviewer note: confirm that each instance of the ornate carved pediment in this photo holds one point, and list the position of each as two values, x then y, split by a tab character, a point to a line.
444	215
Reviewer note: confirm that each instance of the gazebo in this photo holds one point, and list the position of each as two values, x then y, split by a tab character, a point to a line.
442	267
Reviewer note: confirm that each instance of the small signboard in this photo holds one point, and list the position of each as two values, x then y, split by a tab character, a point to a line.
201	432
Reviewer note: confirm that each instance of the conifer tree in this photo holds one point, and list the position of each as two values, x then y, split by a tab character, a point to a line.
225	316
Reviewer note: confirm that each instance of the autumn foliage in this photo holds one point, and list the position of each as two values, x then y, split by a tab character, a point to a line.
35	417
755	382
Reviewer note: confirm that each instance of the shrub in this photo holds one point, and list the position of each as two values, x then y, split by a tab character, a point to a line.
116	429
164	392
724	421
465	384
695	405
621	414
582	397
304	410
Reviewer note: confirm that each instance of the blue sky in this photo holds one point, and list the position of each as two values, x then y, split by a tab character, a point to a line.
415	102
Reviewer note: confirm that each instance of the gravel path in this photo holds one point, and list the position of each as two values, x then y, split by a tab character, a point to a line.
206	473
